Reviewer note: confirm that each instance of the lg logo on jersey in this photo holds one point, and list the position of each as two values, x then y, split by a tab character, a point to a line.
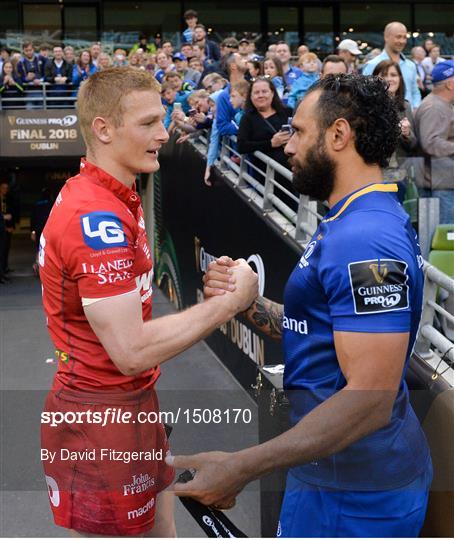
102	230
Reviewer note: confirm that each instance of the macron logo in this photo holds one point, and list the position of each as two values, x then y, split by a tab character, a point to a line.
102	230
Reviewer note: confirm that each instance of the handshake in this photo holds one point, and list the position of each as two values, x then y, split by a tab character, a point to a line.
233	280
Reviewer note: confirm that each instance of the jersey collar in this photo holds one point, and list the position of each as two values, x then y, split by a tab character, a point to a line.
340	207
103	178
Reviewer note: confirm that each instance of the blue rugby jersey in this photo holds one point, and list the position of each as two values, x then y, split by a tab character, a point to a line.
361	272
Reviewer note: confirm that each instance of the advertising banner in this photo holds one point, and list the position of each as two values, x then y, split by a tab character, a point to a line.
37	133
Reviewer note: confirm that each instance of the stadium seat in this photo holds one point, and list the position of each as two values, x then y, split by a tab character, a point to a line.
442	254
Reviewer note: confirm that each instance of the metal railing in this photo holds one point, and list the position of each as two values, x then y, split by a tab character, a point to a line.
263	190
42	96
260	185
437	323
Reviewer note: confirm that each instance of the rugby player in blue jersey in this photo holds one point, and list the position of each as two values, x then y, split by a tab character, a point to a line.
359	464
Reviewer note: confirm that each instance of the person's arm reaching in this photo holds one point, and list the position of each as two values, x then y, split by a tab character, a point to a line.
372	365
263	313
135	346
224	116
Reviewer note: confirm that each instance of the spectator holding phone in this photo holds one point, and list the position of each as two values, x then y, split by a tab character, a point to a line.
10	85
174	101
265	126
261	125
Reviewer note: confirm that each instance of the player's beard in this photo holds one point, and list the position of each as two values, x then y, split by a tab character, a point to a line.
315	176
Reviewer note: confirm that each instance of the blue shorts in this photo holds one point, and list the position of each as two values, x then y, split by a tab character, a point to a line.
309	511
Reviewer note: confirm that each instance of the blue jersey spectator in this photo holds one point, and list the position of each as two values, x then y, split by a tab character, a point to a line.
30	67
215	139
291	73
236	67
83	68
300	87
395	40
164	64
272	67
170	96
191	19
225	114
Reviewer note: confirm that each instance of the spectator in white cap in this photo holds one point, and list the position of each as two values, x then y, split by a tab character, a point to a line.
435	129
348	50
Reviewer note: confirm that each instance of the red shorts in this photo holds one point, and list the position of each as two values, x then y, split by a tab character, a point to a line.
104	479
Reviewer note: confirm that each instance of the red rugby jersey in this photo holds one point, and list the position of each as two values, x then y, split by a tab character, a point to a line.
94	245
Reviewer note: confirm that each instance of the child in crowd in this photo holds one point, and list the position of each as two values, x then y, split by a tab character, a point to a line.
238	95
183	122
196	64
214	139
120	58
170	95
199	116
310	74
255	68
176	80
272	68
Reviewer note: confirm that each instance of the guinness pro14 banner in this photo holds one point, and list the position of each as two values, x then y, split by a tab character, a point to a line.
40	133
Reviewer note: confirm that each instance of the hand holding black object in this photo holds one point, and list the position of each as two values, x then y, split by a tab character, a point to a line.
214	523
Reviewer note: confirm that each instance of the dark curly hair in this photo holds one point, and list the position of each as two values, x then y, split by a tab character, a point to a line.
366	105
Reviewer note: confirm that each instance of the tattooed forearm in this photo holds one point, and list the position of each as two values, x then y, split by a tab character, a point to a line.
267	316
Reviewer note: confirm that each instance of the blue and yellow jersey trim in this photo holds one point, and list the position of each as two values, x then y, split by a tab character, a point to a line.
384	188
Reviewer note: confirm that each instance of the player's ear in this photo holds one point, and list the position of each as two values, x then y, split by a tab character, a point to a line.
340	134
102	130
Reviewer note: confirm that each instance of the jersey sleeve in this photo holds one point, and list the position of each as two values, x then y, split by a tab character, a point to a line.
98	250
366	275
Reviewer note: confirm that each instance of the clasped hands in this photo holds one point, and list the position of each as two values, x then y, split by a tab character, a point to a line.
224	275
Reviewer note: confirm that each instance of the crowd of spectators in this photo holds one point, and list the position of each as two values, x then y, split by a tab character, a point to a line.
232	89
